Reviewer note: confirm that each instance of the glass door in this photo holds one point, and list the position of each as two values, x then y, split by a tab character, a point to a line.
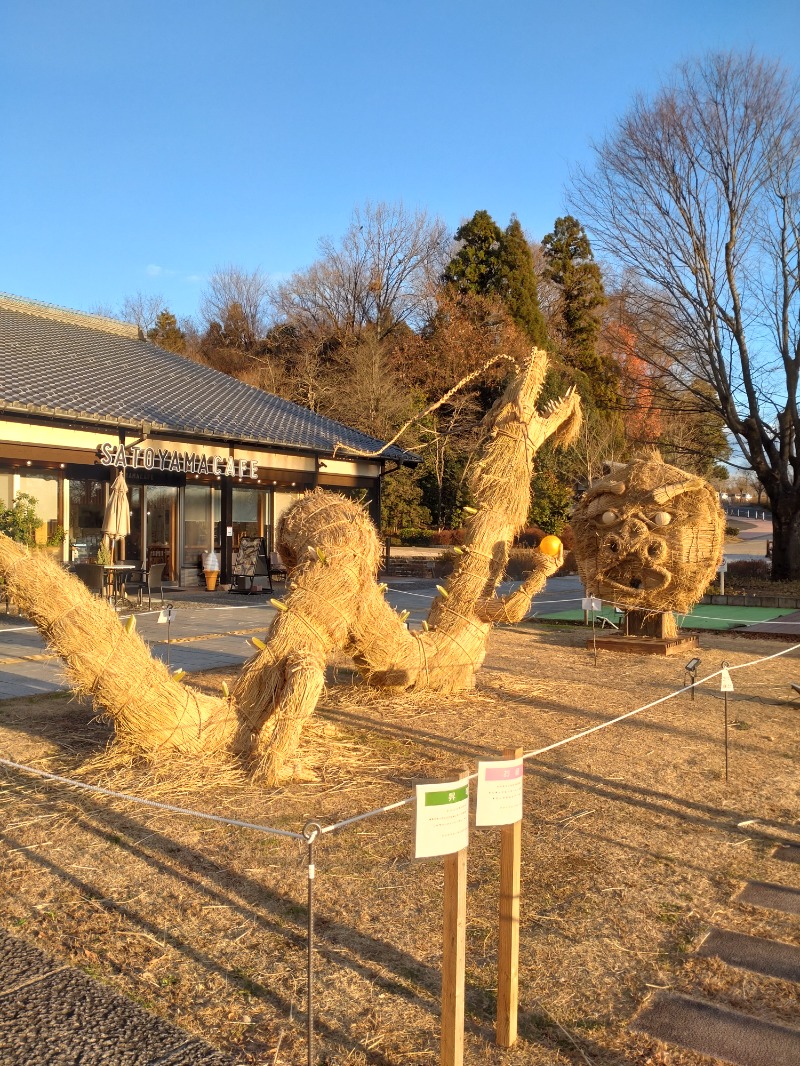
162	528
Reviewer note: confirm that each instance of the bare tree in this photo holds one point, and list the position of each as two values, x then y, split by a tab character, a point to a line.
697	194
232	289
378	275
142	310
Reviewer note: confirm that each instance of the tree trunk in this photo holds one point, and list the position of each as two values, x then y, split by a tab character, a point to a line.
786	537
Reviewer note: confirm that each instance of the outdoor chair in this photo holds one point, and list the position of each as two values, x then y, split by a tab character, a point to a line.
276	567
149	580
93	576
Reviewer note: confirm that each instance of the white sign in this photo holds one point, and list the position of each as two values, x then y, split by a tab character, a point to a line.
723	567
167	615
170	459
499	792
442	820
725	683
591	603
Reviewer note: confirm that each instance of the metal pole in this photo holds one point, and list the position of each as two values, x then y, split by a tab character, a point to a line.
725	697
310	833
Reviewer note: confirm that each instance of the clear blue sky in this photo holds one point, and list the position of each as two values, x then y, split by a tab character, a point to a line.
144	143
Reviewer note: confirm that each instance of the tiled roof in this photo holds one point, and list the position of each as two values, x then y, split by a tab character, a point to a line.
54	364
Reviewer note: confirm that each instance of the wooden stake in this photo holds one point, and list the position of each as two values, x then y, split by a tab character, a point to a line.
508	940
454	955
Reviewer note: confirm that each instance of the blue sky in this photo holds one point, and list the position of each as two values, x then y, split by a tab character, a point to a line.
144	144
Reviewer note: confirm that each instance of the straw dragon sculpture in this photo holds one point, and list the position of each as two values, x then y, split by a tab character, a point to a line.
333	602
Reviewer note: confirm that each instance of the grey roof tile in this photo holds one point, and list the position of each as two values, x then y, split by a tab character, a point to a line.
59	367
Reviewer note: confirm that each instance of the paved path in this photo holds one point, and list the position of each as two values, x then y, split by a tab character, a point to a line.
206	632
54	1015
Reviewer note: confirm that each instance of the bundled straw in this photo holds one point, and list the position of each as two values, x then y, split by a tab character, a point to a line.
649	536
333	553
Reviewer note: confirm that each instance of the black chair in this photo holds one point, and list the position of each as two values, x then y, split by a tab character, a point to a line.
93	576
276	567
150	579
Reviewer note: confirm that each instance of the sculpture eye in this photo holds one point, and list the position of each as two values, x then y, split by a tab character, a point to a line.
609	518
661	518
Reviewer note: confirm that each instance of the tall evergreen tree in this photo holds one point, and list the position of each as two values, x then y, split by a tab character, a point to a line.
518	281
167	333
570	266
476	266
498	263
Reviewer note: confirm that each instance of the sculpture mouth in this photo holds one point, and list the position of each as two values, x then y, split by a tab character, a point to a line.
629	577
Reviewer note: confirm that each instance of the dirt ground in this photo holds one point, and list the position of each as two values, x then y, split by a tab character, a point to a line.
633	848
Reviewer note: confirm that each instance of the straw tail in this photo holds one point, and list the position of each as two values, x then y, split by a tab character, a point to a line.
150	710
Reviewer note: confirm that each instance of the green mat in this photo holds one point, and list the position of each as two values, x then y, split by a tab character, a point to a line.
703	616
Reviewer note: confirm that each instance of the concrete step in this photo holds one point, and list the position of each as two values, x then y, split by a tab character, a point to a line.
757	954
728	1035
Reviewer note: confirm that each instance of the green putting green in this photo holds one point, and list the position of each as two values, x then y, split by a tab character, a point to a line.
703	616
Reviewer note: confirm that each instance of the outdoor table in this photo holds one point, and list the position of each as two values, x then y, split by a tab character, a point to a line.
116	576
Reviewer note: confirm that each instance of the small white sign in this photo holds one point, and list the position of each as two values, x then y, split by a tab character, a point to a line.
167	615
723	567
725	683
499	792
442	819
591	603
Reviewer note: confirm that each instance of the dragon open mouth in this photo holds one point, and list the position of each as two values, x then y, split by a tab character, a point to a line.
630	576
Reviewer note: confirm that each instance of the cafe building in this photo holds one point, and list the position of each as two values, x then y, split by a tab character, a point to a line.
207	458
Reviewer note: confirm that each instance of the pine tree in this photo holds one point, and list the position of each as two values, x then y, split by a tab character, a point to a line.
570	266
167	333
519	281
476	267
492	262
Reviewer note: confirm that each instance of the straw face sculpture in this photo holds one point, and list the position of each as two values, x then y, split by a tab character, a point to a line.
648	536
334	602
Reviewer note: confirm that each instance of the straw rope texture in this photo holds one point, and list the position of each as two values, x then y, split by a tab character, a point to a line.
334	602
649	537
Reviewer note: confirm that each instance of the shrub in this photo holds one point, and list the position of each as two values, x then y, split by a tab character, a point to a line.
20	521
732	531
749	570
446	537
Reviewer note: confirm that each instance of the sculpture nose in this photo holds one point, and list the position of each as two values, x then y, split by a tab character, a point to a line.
635	539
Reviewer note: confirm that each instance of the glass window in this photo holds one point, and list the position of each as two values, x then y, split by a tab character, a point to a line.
249	514
87	505
133	542
44	488
162	527
202	506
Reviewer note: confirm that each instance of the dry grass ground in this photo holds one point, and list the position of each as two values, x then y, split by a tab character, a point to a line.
632	848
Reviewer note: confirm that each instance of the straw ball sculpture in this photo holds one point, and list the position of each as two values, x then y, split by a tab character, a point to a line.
649	537
334	602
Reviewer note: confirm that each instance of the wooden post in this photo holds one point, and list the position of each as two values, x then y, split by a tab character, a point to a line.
508	941
454	955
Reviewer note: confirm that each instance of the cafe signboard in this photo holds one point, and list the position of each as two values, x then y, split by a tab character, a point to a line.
176	462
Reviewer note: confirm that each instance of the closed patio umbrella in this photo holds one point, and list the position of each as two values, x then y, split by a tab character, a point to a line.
117	519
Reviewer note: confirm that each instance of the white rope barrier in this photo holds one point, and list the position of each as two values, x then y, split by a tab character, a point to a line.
270	830
575	736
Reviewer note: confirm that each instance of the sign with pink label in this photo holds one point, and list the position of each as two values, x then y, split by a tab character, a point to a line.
499	792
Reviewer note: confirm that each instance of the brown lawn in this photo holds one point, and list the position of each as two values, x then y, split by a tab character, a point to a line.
633	847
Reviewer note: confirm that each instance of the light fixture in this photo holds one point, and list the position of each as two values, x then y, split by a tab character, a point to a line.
691	670
28	463
796	688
